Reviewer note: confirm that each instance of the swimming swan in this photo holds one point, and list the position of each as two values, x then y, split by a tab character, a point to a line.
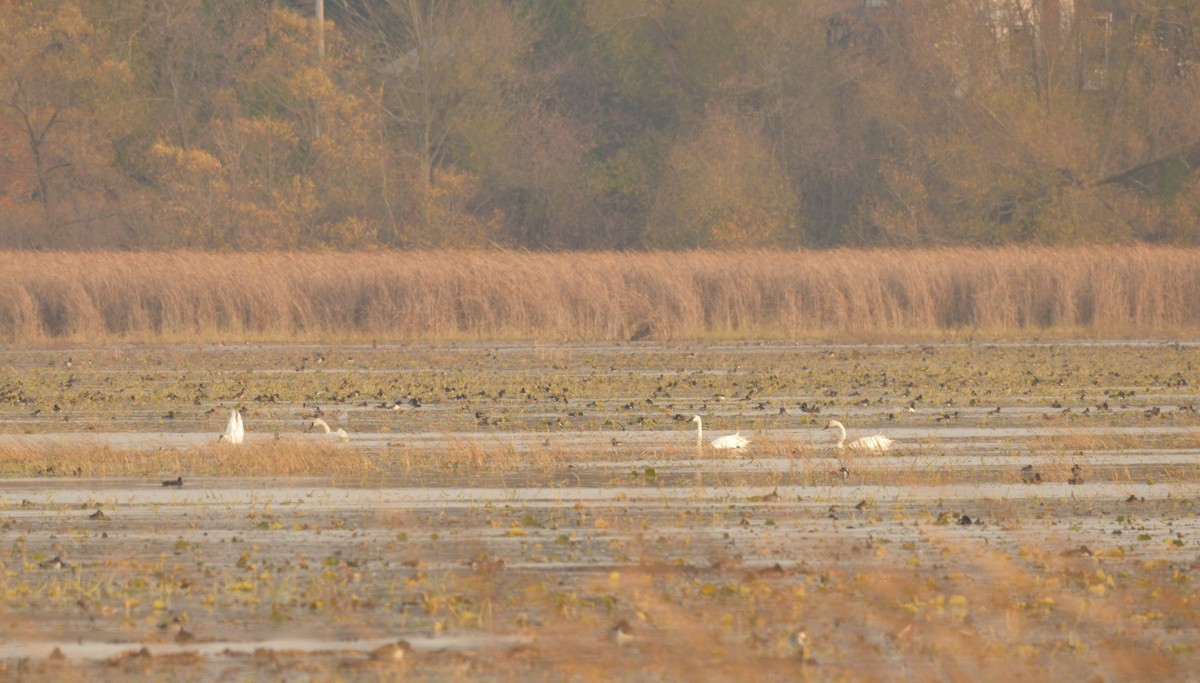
235	431
877	444
721	442
341	433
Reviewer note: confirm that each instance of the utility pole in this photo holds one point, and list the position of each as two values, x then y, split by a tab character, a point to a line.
320	31
320	57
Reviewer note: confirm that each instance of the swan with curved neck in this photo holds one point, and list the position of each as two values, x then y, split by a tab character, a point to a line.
728	441
340	433
878	443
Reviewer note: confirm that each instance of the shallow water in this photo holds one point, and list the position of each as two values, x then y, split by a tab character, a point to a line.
959	440
114	494
517	573
217	648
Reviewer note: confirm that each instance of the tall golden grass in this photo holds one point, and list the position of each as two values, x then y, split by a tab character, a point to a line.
439	295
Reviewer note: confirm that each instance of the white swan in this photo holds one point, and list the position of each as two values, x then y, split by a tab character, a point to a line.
721	442
877	444
235	431
318	422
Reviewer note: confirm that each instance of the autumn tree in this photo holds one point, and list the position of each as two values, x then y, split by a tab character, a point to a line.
60	108
288	156
723	188
801	91
446	72
1149	84
647	72
974	138
563	124
186	54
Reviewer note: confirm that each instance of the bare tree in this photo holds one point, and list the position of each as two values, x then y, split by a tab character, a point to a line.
58	91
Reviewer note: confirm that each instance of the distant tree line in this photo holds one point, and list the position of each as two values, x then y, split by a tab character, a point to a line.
597	124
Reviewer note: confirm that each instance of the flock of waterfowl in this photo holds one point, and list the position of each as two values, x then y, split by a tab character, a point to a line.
877	443
235	429
235	433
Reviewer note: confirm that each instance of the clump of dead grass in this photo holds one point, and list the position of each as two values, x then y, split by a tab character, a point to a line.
472	457
279	458
271	459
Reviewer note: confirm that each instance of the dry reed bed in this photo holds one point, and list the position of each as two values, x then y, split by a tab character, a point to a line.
449	295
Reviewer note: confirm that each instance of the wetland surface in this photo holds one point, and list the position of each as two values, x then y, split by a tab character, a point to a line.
501	507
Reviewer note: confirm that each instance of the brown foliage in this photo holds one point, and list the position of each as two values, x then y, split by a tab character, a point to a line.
724	190
595	296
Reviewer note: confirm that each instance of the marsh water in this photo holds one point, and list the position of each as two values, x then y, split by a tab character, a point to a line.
585	501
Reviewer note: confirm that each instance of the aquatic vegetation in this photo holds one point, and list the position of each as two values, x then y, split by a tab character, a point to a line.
501	509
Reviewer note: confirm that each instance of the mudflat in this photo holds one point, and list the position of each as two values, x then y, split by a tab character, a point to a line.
503	509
